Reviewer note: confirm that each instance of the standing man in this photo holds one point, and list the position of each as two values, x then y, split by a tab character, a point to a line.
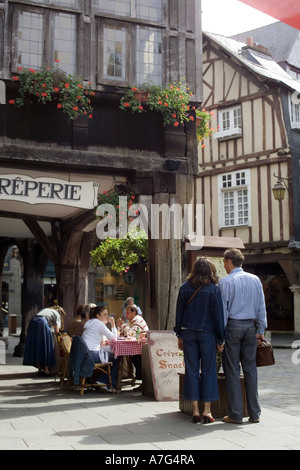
246	321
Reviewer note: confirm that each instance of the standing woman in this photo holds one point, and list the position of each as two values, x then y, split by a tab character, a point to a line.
39	347
200	330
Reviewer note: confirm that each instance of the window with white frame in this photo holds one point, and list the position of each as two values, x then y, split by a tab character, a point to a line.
230	122
37	44
294	107
234	198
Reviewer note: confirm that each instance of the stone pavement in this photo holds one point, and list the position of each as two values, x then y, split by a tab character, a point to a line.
35	414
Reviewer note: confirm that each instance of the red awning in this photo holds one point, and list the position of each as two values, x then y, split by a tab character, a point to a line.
287	11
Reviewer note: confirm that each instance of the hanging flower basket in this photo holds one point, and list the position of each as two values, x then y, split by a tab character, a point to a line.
203	123
198	121
141	96
51	84
173	102
121	253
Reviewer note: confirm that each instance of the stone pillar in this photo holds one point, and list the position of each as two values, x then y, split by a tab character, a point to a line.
296	291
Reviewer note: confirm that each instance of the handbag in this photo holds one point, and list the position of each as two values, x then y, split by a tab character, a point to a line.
264	354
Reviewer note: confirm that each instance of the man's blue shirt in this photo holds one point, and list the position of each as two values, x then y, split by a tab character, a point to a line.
243	298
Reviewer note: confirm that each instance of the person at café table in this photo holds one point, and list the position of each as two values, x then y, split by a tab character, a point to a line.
129	303
134	322
95	334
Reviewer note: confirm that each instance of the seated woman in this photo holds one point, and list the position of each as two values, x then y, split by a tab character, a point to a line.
94	334
39	345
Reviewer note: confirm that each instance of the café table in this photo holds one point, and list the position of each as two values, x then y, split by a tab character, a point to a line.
125	347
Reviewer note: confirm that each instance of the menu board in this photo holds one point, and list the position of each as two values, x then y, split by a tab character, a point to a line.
166	361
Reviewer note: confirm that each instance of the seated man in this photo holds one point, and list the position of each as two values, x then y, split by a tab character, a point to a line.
129	303
134	322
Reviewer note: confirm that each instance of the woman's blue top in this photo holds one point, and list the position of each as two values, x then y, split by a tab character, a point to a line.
204	312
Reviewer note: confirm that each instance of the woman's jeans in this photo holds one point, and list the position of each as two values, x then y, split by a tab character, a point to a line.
114	369
240	346
199	348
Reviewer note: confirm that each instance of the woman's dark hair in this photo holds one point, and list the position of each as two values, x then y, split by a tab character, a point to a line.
203	273
97	311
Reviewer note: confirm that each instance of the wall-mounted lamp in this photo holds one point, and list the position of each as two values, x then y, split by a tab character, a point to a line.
280	187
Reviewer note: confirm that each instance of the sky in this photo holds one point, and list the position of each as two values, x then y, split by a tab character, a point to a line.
228	17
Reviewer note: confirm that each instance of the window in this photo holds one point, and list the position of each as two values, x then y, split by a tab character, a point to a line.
65	41
30	39
294	106
148	56
43	37
114	52
144	9
293	72
120	44
149	9
234	190
230	123
115	7
67	3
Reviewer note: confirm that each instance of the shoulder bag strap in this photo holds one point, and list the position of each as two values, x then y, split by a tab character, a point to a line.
190	299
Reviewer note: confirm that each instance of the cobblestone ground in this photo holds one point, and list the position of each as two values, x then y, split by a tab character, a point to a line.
279	385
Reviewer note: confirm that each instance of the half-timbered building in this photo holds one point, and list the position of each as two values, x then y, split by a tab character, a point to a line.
113	45
256	145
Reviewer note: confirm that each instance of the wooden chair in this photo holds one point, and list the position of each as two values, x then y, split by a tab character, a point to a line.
83	369
91	381
64	342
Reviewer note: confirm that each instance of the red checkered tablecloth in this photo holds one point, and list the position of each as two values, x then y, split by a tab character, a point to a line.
127	347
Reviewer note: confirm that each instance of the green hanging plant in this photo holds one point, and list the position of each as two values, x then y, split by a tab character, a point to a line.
120	253
203	124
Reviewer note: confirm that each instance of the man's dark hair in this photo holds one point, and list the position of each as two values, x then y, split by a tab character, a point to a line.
235	255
